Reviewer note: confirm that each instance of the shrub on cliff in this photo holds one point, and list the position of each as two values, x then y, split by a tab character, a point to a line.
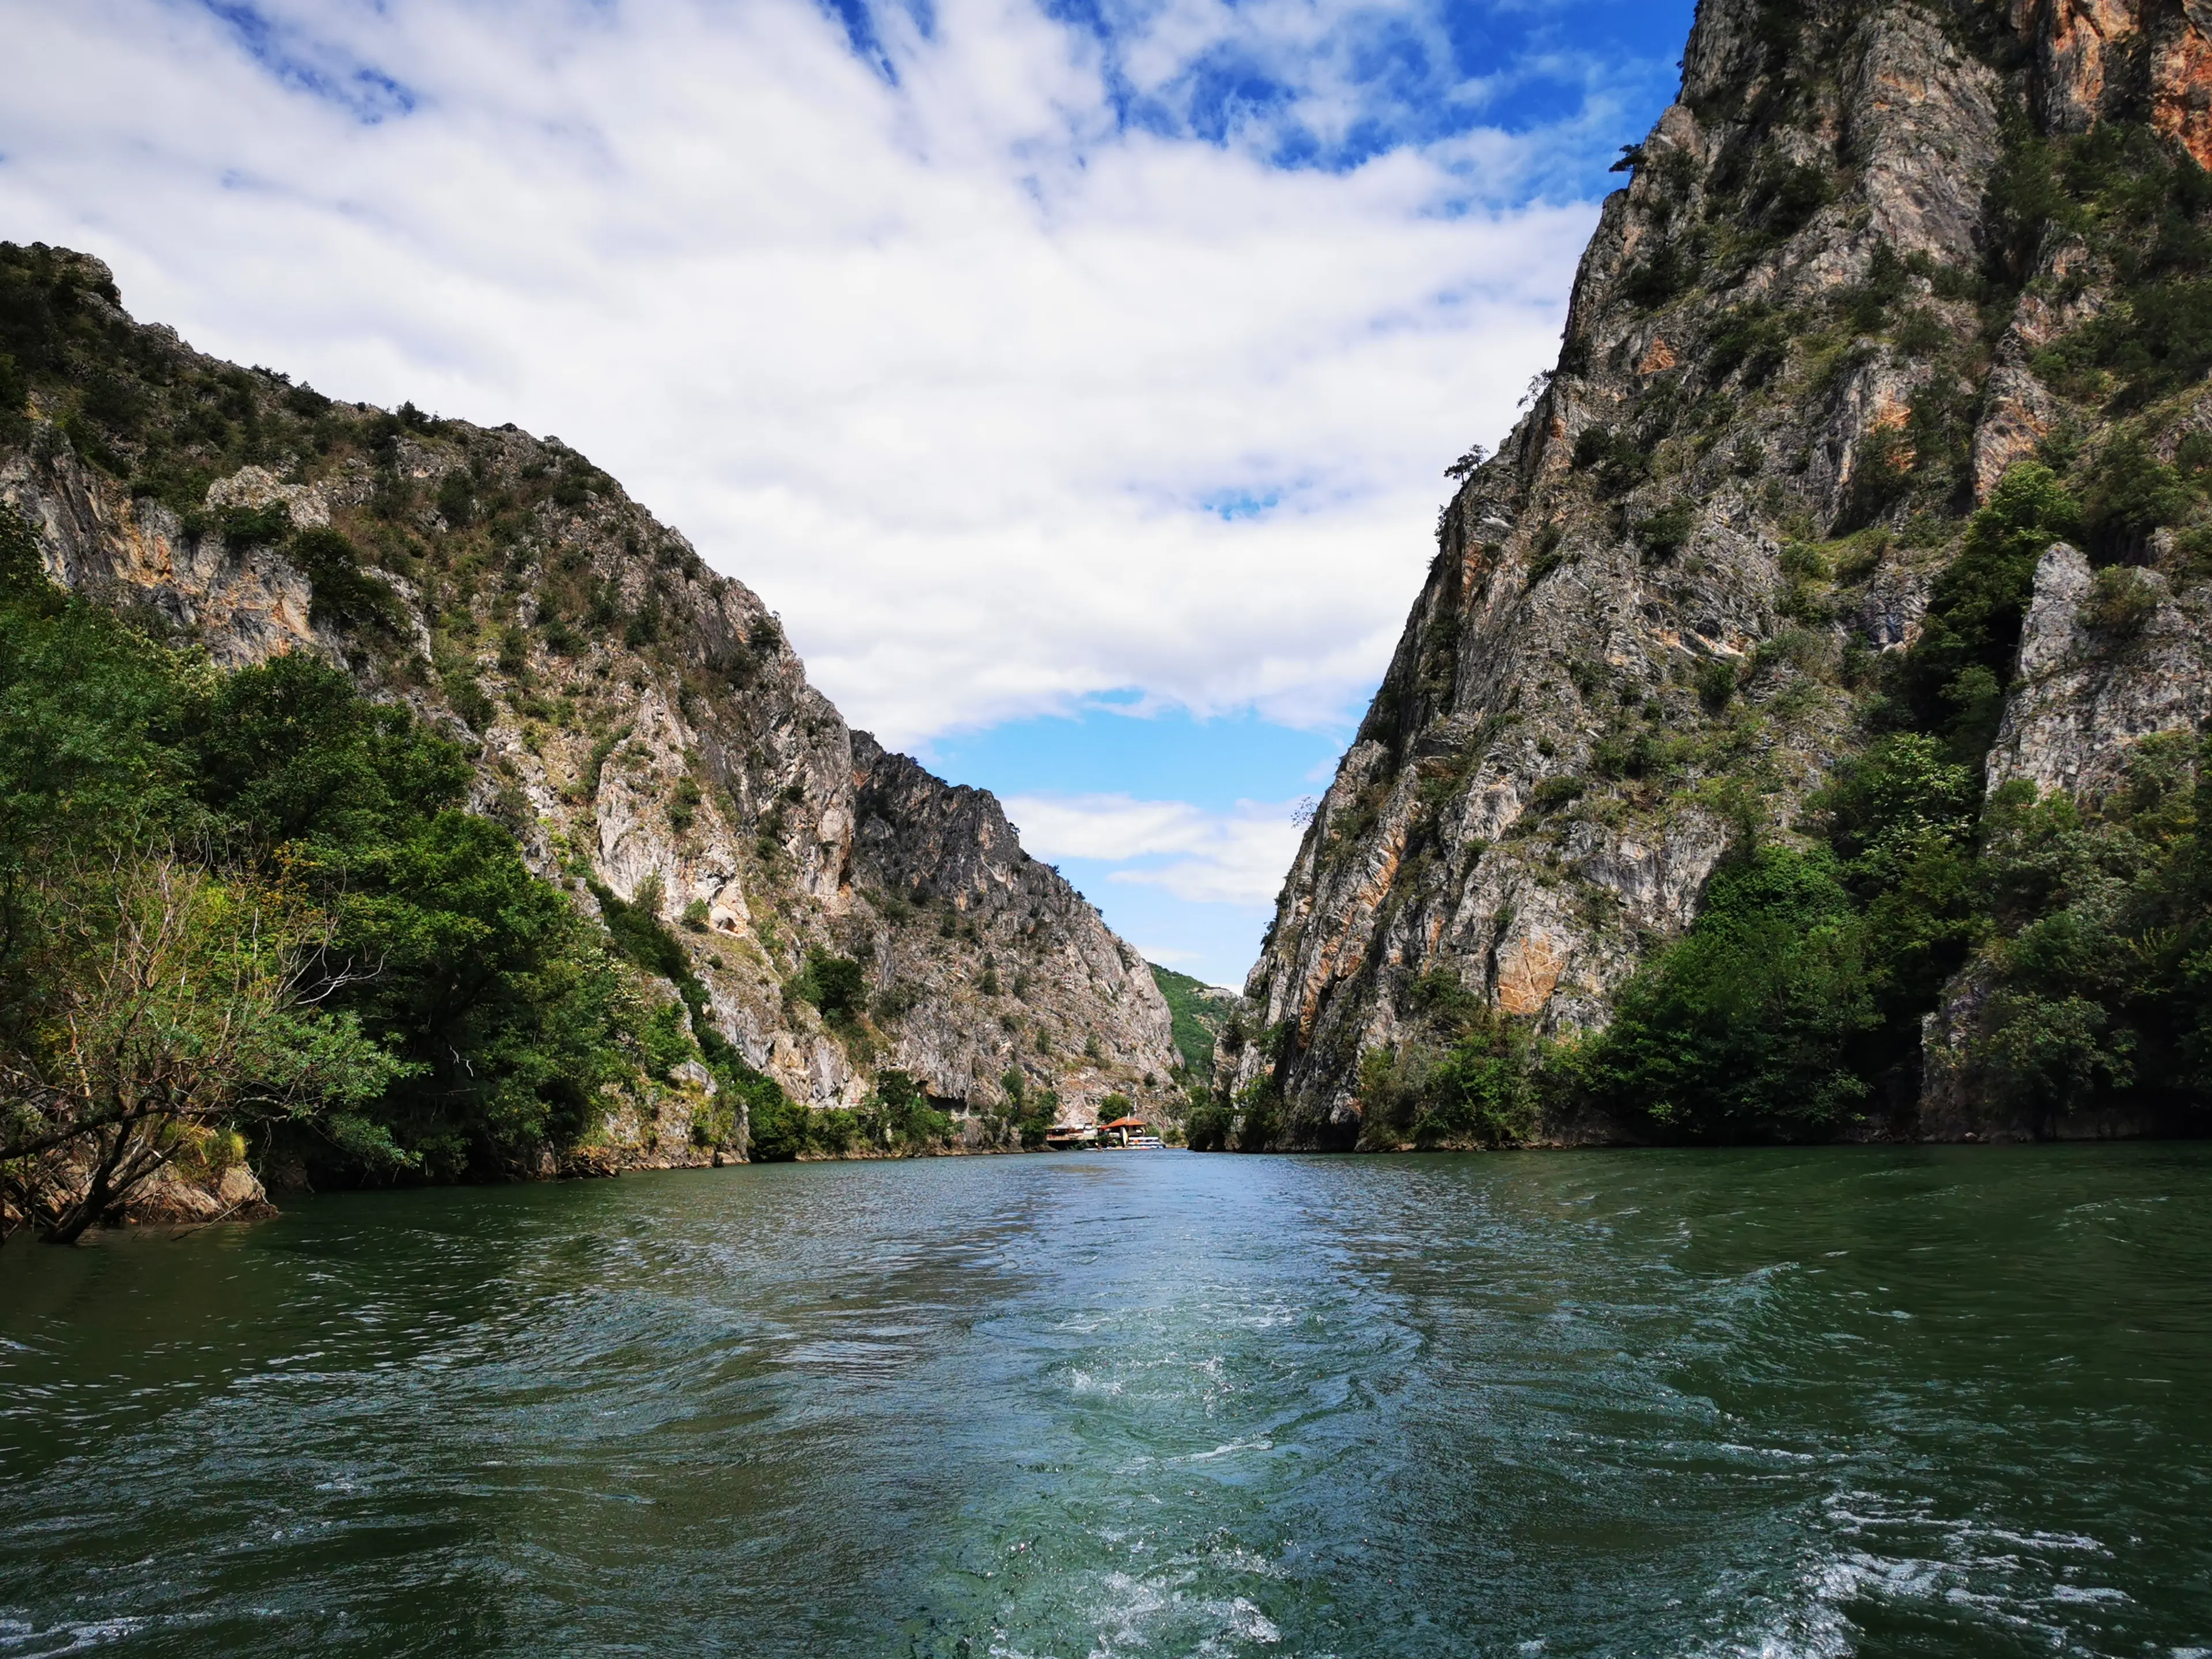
345	595
781	1129
1206	1129
1952	680
899	1115
1481	1091
2130	493
836	985
1033	1111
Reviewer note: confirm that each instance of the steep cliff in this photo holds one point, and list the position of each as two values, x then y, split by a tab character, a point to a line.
640	723
1875	257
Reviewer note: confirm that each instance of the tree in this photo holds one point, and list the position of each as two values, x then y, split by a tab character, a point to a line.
168	1004
1952	680
1745	1026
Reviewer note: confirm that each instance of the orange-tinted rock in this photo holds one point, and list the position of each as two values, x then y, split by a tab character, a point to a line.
1528	969
2075	41
2181	83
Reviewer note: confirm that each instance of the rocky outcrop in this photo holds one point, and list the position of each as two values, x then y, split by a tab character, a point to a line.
174	1196
2106	658
2088	51
244	607
641	724
1646	627
232	1195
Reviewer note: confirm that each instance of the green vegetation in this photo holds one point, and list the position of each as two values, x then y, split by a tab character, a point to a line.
898	1118
512	1019
1664	534
833	984
1742	1028
1795	1005
638	933
1794	1008
1197	1017
300	854
1209	1123
1032	1112
1470	1079
2137	201
1951	682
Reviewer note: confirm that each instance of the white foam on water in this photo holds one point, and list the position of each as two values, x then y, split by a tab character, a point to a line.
2046	1540
1227	1449
74	1638
1253	1624
2089	1593
1771	1451
2002	1578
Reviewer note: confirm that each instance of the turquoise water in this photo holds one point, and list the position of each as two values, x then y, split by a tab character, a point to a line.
1927	1402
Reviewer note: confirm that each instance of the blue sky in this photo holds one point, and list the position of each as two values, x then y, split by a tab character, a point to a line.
1075	377
1194	887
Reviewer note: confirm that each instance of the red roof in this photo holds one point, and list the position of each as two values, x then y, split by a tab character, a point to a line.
1124	1123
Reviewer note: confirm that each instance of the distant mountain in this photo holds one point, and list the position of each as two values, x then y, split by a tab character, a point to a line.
1199	1009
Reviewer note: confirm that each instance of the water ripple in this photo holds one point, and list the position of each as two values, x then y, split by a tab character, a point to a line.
1781	1403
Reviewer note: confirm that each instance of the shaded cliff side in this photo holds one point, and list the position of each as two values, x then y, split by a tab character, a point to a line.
640	723
1877	259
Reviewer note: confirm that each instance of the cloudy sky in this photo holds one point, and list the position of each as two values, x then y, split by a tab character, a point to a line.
1075	377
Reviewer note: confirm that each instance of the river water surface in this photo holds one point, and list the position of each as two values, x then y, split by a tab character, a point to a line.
1836	1402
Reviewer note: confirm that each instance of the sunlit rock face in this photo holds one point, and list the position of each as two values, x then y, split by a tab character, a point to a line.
1803	346
640	722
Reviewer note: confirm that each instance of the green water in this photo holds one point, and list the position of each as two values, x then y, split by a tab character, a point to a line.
1928	1401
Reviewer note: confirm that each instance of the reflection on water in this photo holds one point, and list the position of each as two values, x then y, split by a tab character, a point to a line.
1895	1402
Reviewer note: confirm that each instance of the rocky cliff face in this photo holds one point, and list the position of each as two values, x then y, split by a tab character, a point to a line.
1828	312
640	722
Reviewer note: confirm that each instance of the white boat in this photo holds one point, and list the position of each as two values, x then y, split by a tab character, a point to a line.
1129	1134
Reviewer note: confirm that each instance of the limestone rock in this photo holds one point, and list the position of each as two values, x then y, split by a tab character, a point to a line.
2096	679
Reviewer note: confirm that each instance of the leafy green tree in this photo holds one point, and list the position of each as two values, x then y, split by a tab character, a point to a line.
2101	961
502	1011
1951	682
487	980
837	985
905	1114
172	1005
781	1127
1745	1027
300	765
1481	1090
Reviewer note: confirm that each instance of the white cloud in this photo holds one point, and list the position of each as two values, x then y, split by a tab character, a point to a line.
1201	857
949	366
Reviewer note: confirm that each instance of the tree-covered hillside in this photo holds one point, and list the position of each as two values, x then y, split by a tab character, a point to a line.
1199	1009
